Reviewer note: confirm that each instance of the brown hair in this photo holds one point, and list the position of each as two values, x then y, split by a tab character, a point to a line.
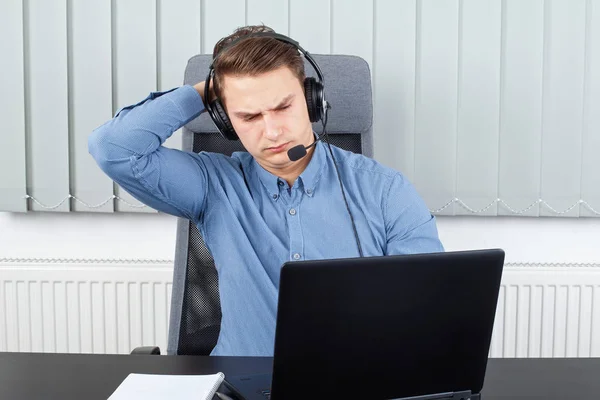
253	56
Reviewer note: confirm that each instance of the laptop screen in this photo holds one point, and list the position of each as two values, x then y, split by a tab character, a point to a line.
385	327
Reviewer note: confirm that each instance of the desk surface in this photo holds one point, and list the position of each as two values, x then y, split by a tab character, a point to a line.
83	376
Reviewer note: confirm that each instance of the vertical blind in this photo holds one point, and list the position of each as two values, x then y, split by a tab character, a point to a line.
490	107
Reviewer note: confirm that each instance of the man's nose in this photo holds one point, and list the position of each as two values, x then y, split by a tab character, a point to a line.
272	128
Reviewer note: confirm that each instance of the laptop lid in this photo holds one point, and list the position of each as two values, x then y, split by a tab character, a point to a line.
385	327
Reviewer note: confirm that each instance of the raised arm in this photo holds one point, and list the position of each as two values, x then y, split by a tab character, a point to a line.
128	148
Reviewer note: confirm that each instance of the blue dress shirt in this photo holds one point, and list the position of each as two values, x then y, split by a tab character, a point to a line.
252	221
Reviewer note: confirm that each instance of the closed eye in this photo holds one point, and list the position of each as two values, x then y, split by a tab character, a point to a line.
250	117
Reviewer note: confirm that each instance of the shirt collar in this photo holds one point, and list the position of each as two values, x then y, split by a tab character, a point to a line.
269	181
308	178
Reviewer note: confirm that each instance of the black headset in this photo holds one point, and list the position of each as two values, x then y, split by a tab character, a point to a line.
313	89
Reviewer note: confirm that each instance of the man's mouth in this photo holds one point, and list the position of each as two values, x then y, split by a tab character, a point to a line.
278	148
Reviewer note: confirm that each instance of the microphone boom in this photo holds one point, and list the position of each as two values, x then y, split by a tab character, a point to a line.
297	152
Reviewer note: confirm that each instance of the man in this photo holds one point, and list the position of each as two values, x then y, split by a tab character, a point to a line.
259	209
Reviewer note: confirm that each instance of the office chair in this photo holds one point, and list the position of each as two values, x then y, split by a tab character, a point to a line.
195	306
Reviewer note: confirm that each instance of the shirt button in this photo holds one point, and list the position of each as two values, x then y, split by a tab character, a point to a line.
292	211
275	196
308	191
280	183
296	256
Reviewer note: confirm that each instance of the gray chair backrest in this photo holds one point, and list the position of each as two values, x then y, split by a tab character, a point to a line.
195	306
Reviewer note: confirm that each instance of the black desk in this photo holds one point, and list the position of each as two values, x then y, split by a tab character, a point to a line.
25	376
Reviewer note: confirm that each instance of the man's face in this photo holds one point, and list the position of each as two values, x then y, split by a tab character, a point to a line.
269	114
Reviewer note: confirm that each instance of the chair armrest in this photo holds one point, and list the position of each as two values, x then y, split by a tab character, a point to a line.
146	350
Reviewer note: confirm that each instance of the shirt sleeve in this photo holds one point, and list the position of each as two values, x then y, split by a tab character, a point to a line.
128	148
410	227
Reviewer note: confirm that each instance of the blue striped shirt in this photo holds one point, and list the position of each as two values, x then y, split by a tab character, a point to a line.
252	221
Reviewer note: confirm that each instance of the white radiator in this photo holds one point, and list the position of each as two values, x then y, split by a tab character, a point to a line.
84	306
103	306
548	311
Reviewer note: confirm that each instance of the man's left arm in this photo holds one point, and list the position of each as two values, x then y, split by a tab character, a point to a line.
410	227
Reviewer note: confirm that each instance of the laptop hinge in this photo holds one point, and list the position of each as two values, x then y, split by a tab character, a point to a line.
462	395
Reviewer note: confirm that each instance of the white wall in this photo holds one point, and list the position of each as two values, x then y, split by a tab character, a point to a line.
87	236
526	240
133	236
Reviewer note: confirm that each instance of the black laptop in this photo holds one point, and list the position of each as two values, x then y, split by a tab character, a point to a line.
390	327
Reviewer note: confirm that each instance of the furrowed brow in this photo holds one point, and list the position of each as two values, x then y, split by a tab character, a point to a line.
245	114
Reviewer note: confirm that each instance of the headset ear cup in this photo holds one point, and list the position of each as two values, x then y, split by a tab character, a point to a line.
313	91
223	124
